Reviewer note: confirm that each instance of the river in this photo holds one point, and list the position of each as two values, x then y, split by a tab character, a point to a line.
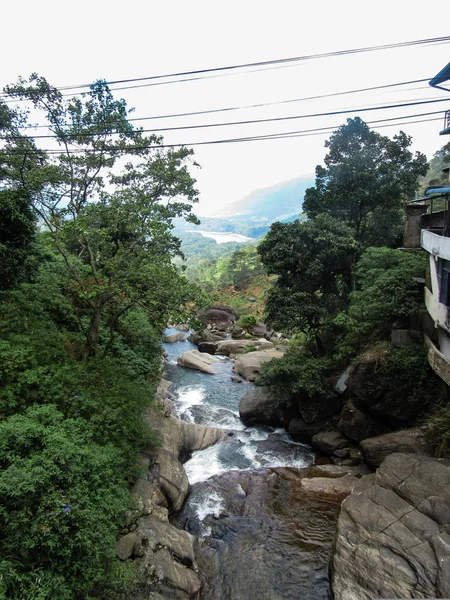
259	535
214	400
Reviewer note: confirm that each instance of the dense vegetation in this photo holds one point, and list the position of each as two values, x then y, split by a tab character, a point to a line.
88	283
338	293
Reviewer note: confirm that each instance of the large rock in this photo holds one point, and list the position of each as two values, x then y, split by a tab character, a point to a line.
393	410
178	440
328	442
259	330
393	534
317	408
302	431
261	407
175	337
357	424
198	337
411	441
228	347
199	361
221	317
249	365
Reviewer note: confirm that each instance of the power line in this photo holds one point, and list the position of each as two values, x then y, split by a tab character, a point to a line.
282	135
280	61
305	57
267	120
263	104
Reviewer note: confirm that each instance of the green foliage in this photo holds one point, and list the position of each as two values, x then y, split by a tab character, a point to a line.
247	322
388	290
435	176
313	261
300	372
437	430
366	181
404	377
60	492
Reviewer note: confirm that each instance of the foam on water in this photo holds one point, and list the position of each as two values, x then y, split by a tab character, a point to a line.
204	464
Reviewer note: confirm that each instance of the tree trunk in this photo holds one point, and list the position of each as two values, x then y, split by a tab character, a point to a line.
93	333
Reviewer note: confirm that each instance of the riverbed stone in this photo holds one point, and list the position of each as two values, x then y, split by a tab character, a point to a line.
249	365
199	361
304	432
229	347
261	406
174	337
393	534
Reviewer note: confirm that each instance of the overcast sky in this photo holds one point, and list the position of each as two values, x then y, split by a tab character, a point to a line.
78	42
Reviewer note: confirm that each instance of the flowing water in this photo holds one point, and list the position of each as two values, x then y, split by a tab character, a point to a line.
214	400
260	536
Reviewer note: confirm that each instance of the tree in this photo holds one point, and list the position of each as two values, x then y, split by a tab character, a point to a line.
115	239
366	181
313	262
17	218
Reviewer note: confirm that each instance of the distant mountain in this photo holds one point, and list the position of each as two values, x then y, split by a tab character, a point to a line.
251	217
277	203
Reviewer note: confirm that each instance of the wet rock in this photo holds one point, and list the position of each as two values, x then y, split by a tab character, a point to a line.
199	361
266	529
174	337
260	406
393	535
357	424
249	365
411	441
328	442
228	347
236	379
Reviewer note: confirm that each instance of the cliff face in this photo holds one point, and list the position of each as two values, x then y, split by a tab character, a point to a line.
164	554
393	535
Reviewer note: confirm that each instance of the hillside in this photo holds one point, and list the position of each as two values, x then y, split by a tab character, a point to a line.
277	203
251	216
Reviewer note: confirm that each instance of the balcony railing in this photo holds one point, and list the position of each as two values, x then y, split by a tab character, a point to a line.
446	130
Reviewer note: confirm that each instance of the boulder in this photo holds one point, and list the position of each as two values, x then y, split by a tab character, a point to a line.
207	347
357	424
238	332
197	337
394	410
221	317
236	379
411	441
317	408
249	365
393	534
261	407
199	361
302	431
259	330
228	347
175	337
163	389
328	442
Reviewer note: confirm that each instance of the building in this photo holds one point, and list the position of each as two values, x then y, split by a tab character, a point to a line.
428	226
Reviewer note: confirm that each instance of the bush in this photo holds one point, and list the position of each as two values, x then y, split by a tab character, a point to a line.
247	322
60	496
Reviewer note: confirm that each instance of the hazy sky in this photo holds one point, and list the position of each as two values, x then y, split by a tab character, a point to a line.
78	42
